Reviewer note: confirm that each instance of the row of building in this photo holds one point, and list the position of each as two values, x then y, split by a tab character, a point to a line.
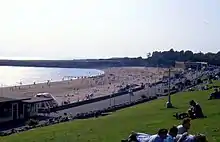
12	109
192	65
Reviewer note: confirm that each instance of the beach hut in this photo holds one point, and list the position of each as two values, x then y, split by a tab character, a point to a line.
14	109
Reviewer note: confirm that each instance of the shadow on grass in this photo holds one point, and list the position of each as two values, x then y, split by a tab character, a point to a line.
169	108
101	115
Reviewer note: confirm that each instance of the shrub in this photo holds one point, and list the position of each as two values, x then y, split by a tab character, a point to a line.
32	122
143	96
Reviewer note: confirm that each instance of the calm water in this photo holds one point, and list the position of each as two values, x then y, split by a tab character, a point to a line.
10	76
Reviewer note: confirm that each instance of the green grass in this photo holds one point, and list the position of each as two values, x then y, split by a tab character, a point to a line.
148	117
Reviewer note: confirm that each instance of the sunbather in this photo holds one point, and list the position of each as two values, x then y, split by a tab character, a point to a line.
142	137
172	134
191	138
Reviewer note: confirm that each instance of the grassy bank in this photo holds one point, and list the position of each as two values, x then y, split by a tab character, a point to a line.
146	117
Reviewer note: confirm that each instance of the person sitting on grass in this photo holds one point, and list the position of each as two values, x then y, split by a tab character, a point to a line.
181	115
142	137
195	111
159	137
172	134
186	123
191	138
215	95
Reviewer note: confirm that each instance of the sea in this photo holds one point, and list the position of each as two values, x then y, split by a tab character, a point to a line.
14	76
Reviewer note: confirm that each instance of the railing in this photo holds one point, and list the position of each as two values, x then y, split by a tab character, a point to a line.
58	108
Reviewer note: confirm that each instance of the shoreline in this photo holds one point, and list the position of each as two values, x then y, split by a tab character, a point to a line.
67	74
55	81
76	63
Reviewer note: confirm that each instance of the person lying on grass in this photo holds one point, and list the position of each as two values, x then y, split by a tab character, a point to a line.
191	138
161	136
215	95
183	136
142	137
172	134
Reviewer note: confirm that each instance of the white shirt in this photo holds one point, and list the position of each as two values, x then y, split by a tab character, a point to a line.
181	129
169	139
141	137
188	138
155	138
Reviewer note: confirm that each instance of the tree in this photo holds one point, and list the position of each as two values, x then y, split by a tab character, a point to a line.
188	55
148	55
168	58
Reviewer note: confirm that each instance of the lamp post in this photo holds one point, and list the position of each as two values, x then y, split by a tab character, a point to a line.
110	103
169	104
148	89
155	86
130	94
114	98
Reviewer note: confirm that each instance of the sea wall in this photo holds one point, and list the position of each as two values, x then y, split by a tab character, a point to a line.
93	100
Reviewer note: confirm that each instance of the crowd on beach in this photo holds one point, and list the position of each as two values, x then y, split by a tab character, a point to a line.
74	90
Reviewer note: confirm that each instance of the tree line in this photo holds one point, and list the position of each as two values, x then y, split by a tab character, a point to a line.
167	58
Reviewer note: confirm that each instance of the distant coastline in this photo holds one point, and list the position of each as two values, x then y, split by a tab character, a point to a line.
155	59
88	63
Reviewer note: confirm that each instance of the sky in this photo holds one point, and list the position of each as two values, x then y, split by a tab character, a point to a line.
76	29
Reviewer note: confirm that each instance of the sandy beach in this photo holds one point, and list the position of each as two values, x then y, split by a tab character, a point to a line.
75	90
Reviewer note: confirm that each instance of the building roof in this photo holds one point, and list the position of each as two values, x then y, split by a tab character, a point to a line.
24	99
16	97
5	99
37	100
203	63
